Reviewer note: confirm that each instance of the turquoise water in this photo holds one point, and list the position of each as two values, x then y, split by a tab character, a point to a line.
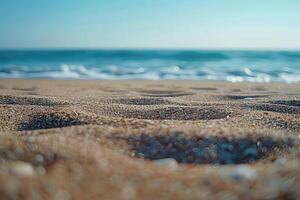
234	66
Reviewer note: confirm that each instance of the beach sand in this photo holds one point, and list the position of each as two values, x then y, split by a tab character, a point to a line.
149	140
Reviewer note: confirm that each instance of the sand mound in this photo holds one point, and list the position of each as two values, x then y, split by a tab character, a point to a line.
25	100
287	102
274	108
172	113
50	120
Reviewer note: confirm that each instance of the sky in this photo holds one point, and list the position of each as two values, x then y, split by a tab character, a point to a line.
142	24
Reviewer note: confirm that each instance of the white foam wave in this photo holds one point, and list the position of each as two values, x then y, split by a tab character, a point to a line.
114	72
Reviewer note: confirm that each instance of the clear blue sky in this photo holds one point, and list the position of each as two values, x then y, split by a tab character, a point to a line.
202	24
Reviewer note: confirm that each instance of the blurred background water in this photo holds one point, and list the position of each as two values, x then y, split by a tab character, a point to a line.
234	66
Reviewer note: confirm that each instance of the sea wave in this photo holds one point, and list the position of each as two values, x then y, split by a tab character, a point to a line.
113	72
233	66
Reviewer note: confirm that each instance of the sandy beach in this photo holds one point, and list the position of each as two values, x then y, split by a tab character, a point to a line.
149	140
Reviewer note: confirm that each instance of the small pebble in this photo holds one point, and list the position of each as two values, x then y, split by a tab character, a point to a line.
166	162
244	173
22	168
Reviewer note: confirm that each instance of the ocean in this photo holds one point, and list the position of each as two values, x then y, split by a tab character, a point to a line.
233	66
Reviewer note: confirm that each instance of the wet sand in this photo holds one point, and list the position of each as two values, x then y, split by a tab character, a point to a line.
149	140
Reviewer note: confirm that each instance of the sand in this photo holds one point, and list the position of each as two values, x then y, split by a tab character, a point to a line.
149	140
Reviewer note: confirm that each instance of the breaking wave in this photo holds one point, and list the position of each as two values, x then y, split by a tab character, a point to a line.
233	66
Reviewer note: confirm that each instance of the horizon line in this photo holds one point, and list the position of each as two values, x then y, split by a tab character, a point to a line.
142	49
